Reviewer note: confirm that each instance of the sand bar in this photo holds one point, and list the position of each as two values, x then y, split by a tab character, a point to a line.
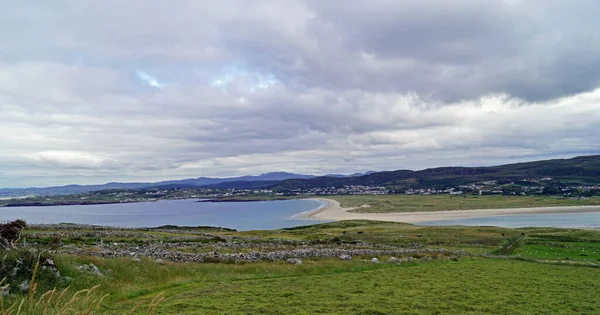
333	211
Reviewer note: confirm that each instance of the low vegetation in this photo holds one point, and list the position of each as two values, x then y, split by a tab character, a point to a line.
461	270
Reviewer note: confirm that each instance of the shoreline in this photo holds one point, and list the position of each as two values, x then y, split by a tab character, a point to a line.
332	210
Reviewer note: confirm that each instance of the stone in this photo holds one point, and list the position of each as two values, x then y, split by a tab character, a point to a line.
94	269
24	286
345	257
66	280
136	259
375	260
91	268
294	261
159	261
5	291
394	260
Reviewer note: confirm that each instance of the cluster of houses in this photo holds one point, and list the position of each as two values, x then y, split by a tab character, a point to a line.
345	190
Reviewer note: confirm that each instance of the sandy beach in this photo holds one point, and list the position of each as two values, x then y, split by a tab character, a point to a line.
332	210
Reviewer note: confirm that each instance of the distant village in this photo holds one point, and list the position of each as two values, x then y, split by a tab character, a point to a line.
525	187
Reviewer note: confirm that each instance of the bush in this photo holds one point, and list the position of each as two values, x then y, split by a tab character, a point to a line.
18	266
10	233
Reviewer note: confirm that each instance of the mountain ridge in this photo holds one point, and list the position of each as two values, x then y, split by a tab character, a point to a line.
269	177
577	170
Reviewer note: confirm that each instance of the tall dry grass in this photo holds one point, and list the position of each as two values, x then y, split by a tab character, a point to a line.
59	302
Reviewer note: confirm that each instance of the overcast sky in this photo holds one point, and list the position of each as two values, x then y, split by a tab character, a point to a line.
139	90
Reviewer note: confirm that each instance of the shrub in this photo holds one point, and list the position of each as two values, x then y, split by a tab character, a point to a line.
18	266
10	233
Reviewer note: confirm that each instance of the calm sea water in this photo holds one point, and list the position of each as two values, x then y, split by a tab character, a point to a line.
235	215
566	220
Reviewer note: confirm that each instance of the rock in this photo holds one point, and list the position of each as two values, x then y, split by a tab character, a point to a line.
375	260
294	261
394	260
24	286
345	257
5	291
95	269
91	268
49	262
159	261
66	280
136	259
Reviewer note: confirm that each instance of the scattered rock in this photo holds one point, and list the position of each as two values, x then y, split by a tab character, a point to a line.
454	258
394	260
49	262
66	280
136	259
95	269
24	286
375	260
159	261
294	261
91	268
345	257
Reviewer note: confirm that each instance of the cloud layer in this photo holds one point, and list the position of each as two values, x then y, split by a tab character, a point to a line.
146	90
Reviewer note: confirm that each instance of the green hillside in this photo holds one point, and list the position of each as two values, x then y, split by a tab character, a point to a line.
582	170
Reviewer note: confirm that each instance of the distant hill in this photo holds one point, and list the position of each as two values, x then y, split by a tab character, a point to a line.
267	179
578	170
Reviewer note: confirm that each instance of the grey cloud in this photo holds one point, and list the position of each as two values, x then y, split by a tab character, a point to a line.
385	85
440	50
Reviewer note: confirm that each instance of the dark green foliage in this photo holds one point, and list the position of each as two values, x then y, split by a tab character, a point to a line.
10	233
17	266
578	170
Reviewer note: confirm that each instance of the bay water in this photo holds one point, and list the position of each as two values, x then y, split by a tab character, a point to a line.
588	220
255	215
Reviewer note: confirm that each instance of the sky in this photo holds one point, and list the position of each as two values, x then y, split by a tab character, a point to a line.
148	90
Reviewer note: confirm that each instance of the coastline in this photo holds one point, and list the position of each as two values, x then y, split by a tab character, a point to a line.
332	210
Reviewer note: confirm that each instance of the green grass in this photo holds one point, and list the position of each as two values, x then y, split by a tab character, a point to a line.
469	286
560	250
526	281
417	203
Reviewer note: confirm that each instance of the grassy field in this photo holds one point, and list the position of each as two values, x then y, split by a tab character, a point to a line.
416	203
469	286
504	271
